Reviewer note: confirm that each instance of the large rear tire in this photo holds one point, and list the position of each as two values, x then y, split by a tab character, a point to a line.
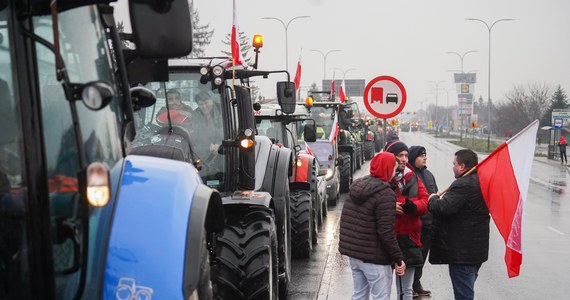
301	224
368	150
345	169
204	283
246	255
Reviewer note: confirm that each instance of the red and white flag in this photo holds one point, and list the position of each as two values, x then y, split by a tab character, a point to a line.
236	51
504	177
334	129
341	93
297	79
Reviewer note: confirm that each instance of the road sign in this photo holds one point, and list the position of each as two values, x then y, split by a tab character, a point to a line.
384	97
558	123
465	77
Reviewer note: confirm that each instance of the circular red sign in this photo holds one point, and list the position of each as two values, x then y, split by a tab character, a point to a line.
385	97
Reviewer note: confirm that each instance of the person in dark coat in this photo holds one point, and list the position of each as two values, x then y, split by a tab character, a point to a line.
460	229
562	145
367	231
411	200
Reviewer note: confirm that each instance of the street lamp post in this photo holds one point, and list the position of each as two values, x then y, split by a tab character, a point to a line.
344	72
489	28
286	27
436	95
461	56
325	59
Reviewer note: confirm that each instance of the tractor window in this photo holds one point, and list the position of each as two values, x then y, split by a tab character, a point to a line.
324	118
14	273
272	129
86	55
195	112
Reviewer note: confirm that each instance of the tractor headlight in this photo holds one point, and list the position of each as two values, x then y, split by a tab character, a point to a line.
329	174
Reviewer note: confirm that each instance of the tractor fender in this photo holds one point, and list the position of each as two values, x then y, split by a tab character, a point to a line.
276	178
149	234
207	212
304	164
263	148
346	148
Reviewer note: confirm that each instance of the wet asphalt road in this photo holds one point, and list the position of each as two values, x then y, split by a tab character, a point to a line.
546	241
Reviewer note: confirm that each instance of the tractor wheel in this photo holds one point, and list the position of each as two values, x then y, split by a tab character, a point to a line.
368	150
246	267
345	172
301	224
204	283
357	157
317	215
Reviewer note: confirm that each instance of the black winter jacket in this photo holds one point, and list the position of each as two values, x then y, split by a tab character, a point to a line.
460	229
367	223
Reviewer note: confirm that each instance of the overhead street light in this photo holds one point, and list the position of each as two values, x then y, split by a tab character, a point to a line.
489	28
461	56
325	59
286	27
344	72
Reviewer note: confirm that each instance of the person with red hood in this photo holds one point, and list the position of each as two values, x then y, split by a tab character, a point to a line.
411	204
562	145
367	230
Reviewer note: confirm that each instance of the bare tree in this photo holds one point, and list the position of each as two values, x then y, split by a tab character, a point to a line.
524	104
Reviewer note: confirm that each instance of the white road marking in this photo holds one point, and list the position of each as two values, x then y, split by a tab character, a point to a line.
555	230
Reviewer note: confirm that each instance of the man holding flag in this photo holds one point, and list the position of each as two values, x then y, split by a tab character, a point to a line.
460	228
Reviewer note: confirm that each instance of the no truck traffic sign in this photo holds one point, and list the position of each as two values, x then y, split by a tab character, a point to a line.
384	97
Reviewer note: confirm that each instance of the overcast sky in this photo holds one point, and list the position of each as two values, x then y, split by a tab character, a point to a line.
407	39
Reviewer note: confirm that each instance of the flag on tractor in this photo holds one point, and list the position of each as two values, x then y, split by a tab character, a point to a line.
297	79
341	92
236	51
504	178
334	129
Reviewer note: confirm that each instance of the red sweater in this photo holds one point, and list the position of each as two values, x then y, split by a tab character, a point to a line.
411	224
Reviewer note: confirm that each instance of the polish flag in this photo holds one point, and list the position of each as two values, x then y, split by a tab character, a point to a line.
504	177
341	94
334	130
236	51
297	79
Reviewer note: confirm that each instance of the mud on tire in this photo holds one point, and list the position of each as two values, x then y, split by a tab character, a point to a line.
246	255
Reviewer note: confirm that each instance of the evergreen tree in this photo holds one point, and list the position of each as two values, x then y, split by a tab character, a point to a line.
244	45
201	35
559	101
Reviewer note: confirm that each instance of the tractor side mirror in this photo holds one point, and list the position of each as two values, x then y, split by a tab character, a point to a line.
310	133
286	96
162	29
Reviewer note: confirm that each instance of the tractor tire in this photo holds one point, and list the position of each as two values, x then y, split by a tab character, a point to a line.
321	213
357	157
301	224
317	216
246	255
345	172
204	288
368	150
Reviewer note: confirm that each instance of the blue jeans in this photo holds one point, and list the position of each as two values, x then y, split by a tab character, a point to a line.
370	280
463	280
404	284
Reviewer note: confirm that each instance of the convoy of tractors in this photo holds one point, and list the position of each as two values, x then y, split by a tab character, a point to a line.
133	174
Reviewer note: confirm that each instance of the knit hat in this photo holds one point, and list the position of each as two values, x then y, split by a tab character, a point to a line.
396	147
415	152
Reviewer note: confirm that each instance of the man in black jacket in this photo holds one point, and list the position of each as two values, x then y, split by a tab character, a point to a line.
367	232
418	159
460	229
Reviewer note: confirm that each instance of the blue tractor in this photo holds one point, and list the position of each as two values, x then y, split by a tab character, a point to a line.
79	218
